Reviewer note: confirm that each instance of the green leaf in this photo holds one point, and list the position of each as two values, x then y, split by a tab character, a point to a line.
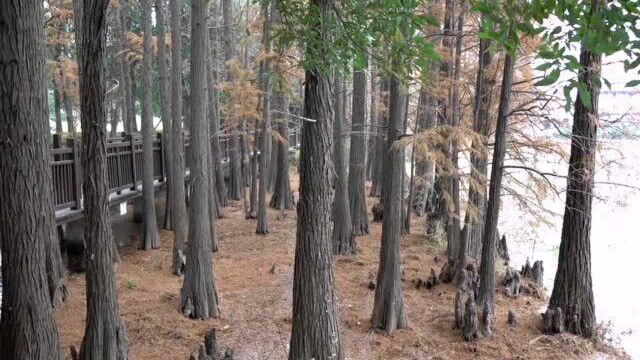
632	83
585	95
550	79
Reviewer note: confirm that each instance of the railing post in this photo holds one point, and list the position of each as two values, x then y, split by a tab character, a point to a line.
132	144
77	173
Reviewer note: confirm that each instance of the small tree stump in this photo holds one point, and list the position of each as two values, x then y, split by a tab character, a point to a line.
202	354
553	321
377	211
502	249
512	319
537	273
432	280
458	311
526	268
512	283
211	343
470	329
447	273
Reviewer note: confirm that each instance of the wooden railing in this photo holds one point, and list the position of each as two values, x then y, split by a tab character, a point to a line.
124	165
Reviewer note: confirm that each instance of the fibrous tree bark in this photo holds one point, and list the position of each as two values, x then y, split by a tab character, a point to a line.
343	240
282	198
262	226
179	210
388	306
314	329
357	156
486	293
214	108
572	288
377	175
199	299
235	174
165	108
150	235
373	122
27	224
477	199
105	336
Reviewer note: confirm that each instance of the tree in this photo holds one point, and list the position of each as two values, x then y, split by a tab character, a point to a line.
486	293
477	199
105	335
179	210
165	108
216	150
199	299
235	174
265	135
343	239
150	237
314	329
357	154
572	288
125	92
388	306
27	326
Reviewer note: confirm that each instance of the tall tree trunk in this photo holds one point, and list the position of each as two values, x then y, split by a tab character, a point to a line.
343	240
133	122
235	173
57	106
357	154
388	307
486	293
179	210
572	289
373	123
263	226
27	326
281	198
165	109
150	236
105	335
477	199
314	330
199	298
377	179
253	193
123	67
216	150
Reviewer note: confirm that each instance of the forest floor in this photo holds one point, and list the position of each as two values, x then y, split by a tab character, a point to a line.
254	276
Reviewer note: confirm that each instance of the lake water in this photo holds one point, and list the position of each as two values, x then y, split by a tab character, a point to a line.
615	245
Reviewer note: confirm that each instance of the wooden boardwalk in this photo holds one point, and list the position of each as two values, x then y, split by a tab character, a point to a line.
124	170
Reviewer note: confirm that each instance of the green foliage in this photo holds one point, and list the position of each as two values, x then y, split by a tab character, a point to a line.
359	29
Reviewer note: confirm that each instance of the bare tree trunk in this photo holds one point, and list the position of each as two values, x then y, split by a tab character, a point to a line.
262	226
282	198
357	154
373	123
105	335
27	326
388	307
199	299
477	199
165	110
377	179
133	122
253	192
150	236
235	174
216	150
57	107
124	65
314	329
486	293
572	288
179	210
343	239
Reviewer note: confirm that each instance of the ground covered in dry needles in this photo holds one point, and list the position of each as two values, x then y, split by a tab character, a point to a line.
254	281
